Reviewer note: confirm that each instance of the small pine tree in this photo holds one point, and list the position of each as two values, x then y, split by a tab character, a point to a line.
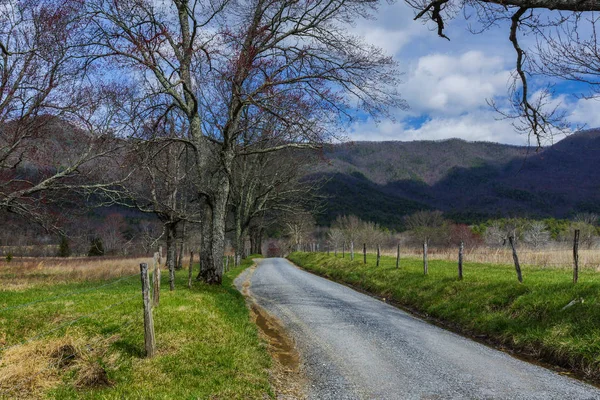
96	248
64	250
9	257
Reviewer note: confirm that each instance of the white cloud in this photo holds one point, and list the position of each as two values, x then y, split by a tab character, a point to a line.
447	83
442	84
586	112
475	126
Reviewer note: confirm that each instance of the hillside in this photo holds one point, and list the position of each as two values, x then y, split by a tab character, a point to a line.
470	181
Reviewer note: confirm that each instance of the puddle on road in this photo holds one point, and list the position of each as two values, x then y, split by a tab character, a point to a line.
282	348
286	376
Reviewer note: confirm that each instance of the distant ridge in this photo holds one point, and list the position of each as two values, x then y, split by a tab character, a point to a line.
470	181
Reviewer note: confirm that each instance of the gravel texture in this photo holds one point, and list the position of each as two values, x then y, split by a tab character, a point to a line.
357	347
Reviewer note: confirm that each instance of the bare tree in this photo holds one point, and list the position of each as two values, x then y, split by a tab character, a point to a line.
219	63
566	44
335	238
536	234
55	129
299	228
351	226
426	225
267	182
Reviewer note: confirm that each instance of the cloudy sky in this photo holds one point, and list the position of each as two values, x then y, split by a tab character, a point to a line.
447	83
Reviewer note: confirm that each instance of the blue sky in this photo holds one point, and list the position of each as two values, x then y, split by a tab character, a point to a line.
447	83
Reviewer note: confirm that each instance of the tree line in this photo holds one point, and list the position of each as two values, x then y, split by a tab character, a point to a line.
426	228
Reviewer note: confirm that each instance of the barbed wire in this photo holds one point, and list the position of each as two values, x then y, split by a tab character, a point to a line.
23	305
65	324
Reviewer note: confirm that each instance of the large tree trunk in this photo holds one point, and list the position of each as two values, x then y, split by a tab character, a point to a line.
171	252
240	237
215	273
205	241
213	237
179	264
256	240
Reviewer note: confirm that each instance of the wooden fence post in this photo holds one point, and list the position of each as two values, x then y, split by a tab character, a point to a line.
328	250
343	249
365	253
378	254
352	250
515	259
398	257
149	341
425	263
190	269
156	280
576	256
460	260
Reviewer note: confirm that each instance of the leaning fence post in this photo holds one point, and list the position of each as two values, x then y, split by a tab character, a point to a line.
190	269
365	253
149	341
156	280
460	260
515	259
378	254
398	257
576	256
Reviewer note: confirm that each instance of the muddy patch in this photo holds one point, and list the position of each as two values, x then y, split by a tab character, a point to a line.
285	375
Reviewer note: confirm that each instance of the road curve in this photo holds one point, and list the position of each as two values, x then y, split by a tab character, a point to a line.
356	347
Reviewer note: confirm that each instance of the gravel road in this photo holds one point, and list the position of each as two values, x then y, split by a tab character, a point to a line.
356	347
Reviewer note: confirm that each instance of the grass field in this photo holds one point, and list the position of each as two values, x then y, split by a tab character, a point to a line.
550	256
489	303
85	339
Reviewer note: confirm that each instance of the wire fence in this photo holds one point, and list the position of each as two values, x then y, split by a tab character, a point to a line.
545	257
123	296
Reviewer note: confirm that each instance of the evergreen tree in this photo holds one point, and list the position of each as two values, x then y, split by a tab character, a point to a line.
96	248
64	250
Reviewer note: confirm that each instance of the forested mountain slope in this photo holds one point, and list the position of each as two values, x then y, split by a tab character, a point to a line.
383	181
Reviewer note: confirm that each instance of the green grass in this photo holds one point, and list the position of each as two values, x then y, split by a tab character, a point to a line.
206	345
489	301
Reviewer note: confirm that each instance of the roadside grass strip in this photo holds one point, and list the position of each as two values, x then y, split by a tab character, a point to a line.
547	317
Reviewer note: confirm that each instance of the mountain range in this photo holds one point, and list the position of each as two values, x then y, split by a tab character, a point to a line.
469	181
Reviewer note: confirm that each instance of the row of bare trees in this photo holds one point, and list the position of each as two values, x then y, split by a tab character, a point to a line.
424	228
186	109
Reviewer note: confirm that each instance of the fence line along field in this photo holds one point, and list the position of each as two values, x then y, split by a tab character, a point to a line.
74	328
543	257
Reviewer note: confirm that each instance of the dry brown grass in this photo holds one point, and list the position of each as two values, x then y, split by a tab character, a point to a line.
23	273
543	257
30	370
